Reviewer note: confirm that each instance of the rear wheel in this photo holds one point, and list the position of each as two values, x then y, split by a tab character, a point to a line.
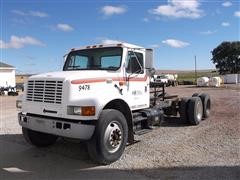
206	105
195	110
195	95
38	139
183	109
110	137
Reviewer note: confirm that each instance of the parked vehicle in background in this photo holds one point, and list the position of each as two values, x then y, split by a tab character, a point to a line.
162	78
10	91
168	79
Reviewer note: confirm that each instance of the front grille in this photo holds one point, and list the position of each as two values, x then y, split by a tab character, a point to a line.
45	91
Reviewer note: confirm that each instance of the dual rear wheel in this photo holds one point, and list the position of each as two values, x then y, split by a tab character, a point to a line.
193	110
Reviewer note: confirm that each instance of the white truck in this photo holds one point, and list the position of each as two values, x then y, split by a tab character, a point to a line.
161	78
168	79
102	96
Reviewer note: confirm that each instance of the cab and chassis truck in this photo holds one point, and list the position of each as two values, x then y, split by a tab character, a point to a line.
103	96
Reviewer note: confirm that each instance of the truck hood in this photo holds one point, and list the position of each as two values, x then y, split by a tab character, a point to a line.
75	75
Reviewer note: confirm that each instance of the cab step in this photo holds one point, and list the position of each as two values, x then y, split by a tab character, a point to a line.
139	118
142	131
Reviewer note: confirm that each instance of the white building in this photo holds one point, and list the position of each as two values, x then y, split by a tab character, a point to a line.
7	75
232	78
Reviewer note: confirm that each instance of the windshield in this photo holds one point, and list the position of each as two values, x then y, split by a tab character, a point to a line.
94	59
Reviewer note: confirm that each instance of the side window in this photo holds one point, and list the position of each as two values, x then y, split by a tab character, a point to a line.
134	63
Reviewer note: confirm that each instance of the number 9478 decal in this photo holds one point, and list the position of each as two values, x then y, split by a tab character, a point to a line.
84	87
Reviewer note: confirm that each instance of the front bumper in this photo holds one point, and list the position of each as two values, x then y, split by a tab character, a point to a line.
56	127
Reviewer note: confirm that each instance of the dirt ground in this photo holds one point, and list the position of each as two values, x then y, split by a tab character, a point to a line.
176	150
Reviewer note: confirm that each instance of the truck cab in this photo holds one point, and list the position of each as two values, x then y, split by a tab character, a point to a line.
94	79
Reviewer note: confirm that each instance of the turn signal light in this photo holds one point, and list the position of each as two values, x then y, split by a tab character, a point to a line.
88	110
121	83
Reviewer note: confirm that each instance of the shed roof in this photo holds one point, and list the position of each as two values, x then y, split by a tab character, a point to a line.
4	65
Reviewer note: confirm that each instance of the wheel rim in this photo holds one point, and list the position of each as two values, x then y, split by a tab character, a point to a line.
113	137
199	111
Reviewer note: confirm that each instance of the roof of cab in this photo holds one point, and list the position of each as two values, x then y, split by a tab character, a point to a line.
126	45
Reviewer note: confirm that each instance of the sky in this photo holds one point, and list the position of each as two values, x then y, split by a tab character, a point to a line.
36	34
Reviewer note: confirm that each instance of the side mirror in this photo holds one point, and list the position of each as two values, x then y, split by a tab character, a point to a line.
151	72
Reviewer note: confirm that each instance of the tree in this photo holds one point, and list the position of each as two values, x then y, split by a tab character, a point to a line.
226	57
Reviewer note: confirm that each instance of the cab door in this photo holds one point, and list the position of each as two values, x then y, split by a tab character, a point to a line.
137	80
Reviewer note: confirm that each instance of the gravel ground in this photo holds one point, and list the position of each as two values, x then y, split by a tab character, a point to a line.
210	150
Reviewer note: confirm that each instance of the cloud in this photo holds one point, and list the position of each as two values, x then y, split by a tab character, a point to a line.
20	42
237	13
208	32
18	12
175	43
21	21
179	9
227	4
225	24
145	19
30	13
111	10
64	27
154	46
38	14
110	41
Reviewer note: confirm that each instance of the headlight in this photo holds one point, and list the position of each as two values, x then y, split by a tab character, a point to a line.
19	101
19	104
81	110
77	110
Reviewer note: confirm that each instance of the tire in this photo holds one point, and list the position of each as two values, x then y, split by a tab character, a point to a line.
195	95
38	139
206	101
10	94
195	110
183	109
111	128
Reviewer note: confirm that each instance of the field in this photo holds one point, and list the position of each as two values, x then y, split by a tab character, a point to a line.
190	75
176	150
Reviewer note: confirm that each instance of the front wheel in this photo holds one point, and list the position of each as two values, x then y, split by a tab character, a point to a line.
110	137
38	139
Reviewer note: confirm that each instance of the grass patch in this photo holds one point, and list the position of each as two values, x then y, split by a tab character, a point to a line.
190	76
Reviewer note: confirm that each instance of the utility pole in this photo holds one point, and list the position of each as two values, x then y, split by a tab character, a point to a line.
195	58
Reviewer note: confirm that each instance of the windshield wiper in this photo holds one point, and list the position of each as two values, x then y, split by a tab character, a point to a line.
73	67
110	68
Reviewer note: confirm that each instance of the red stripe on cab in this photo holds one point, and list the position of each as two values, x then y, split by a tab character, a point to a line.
98	80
